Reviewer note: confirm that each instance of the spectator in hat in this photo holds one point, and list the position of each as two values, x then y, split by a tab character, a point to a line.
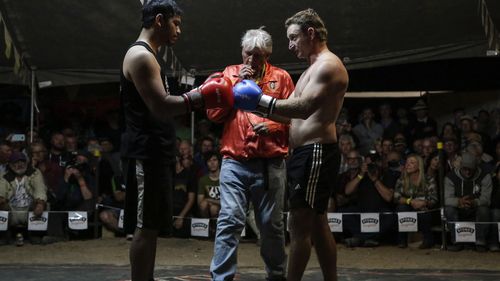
22	189
424	126
468	197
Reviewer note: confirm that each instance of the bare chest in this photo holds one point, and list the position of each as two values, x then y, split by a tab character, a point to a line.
302	83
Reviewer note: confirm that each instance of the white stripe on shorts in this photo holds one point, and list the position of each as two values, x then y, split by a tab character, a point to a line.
139	174
314	174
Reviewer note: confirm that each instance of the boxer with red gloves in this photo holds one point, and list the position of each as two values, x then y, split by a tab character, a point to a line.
148	141
215	92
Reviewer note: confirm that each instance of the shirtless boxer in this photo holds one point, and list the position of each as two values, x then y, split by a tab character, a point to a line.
313	109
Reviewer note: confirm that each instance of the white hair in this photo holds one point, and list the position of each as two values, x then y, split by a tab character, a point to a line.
347	137
257	38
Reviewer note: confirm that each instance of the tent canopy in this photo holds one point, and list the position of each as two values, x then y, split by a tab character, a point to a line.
77	42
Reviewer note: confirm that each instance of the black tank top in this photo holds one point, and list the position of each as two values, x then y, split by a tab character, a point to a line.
144	136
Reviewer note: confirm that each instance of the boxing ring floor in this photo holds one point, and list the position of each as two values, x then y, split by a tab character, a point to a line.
198	273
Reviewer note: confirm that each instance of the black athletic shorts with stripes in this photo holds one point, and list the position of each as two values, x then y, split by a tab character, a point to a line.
312	171
148	196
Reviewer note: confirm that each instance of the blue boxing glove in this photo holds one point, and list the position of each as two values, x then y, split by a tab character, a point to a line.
248	96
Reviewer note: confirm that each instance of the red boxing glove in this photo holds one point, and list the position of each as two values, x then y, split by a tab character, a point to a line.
216	92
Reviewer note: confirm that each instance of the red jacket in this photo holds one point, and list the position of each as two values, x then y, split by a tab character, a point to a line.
239	141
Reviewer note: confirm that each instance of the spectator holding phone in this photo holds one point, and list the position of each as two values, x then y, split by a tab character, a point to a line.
467	197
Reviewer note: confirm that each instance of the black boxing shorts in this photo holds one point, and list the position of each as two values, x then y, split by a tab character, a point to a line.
148	195
311	174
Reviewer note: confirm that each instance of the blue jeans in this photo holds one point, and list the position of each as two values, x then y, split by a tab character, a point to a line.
241	181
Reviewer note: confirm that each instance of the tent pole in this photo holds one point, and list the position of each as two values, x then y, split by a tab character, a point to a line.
192	128
33	93
441	194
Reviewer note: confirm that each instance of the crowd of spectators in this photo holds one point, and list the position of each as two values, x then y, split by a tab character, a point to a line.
390	163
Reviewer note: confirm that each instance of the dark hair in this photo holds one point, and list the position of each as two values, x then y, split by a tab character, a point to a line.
429	159
207	138
211	154
309	18
151	8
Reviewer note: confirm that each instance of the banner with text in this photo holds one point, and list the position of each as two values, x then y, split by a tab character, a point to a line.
335	222
120	219
4	220
38	223
465	232
407	222
199	227
370	222
78	220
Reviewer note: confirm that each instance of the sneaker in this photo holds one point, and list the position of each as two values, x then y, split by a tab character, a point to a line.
371	243
19	240
481	249
455	248
129	237
353	242
494	248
